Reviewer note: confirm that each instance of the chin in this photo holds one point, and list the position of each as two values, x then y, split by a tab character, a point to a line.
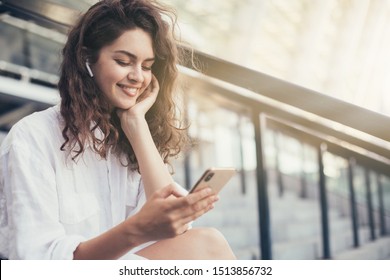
125	106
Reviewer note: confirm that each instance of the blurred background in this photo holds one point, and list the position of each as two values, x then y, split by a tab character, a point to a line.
292	93
336	47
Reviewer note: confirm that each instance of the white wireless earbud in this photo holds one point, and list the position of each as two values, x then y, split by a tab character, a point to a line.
89	69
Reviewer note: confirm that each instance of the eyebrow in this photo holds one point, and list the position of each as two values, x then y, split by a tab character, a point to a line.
133	56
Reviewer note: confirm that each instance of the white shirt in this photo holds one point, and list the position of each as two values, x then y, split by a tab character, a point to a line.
49	203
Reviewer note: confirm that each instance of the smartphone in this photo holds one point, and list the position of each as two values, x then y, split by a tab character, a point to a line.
215	178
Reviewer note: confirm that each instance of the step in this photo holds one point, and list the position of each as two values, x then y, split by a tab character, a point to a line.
343	242
374	250
304	249
286	232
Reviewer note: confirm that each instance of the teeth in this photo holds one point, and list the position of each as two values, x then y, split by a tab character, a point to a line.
129	89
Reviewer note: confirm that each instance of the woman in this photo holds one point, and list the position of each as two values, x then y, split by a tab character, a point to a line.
87	179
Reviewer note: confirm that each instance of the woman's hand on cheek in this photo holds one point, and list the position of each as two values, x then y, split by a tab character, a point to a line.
132	117
144	102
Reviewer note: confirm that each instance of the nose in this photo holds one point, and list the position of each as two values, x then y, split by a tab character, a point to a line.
135	74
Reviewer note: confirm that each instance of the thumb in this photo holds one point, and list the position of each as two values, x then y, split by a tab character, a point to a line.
166	191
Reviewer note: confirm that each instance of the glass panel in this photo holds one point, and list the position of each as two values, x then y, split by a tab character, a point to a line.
310	171
294	208
362	206
338	198
386	201
45	54
375	202
12	44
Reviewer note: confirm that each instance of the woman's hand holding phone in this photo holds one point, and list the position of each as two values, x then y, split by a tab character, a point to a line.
168	213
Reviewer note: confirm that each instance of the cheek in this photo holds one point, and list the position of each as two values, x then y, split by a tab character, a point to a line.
117	74
147	80
112	73
106	79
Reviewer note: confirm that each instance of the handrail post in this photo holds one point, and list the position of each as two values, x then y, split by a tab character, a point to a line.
279	176
303	192
187	171
370	212
382	218
323	203
187	154
352	199
262	193
240	147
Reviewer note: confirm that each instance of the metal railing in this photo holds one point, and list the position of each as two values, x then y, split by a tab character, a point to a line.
325	138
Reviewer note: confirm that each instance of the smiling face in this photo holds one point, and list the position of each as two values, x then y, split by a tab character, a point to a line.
123	69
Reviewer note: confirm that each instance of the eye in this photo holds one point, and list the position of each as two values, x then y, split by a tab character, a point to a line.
147	65
122	62
147	68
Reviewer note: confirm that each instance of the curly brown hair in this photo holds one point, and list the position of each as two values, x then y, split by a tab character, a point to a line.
87	116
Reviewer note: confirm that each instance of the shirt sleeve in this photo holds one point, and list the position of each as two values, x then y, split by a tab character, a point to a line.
33	211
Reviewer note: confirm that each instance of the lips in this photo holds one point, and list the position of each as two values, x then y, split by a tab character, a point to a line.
130	91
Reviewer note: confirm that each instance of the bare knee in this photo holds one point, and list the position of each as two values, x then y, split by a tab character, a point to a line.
195	244
212	243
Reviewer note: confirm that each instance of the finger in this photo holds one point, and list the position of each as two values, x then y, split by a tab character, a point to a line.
196	215
200	207
188	201
153	87
169	190
144	94
203	204
199	195
152	90
155	84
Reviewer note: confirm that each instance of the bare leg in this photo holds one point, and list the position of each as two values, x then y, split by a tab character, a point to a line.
195	244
